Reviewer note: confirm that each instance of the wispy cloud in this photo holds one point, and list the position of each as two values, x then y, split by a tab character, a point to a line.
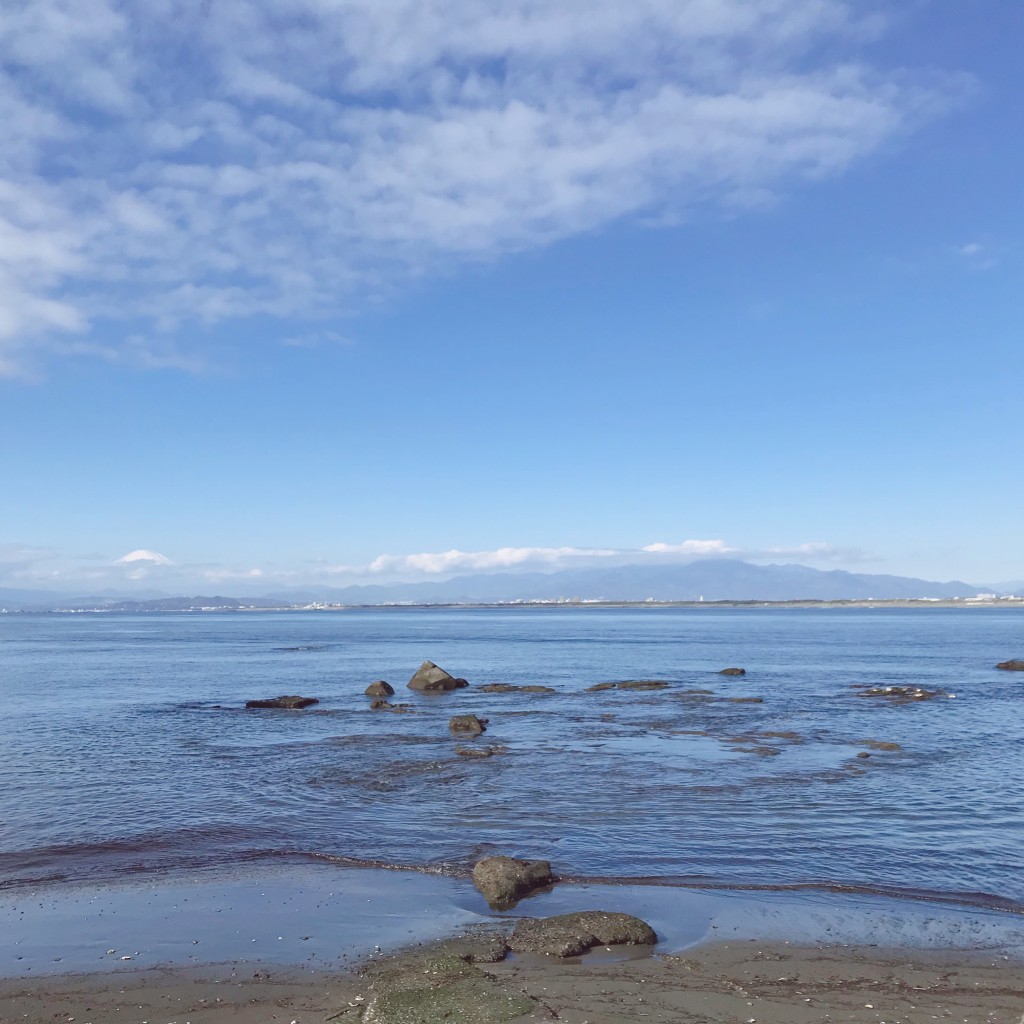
978	255
179	166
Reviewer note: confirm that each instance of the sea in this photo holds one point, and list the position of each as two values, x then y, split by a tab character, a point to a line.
128	750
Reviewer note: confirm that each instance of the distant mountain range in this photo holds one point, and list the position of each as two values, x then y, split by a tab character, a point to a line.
718	579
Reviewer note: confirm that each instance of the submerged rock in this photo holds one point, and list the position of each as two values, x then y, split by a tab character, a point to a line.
509	688
1015	665
901	694
383	704
504	881
574	934
733	672
880	744
469	724
430	678
480	752
290	703
630	684
379	688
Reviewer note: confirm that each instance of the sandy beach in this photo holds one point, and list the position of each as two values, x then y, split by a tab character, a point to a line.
767	983
317	943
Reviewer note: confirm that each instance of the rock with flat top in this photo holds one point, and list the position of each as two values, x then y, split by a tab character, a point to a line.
504	881
574	934
1014	665
431	678
289	703
733	671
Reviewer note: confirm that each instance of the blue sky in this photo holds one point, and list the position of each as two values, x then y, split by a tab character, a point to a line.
321	292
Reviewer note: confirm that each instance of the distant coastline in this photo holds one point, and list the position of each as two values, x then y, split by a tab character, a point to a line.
160	607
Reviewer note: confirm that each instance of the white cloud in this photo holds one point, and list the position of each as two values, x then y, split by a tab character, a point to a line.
183	165
439	563
692	547
142	556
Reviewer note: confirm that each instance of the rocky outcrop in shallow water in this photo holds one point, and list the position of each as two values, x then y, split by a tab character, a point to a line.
468	725
1014	665
733	672
503	881
379	688
901	694
383	704
630	684
431	678
289	703
574	934
509	688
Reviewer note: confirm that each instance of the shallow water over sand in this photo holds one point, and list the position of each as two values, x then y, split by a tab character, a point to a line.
128	749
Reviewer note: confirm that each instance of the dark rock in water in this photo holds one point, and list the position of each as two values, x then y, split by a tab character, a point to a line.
1011	666
864	755
480	752
574	934
744	700
901	694
469	724
441	986
629	684
383	704
379	688
432	679
733	672
505	880
291	703
509	688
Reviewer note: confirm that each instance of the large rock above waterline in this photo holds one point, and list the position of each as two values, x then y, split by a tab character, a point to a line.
289	703
505	880
574	934
430	678
379	688
469	725
1015	665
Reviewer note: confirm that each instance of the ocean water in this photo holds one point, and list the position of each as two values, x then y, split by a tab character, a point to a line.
127	751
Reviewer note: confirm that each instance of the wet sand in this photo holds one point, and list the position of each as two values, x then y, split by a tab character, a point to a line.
304	943
767	983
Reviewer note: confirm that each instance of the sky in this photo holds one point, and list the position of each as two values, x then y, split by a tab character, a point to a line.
333	292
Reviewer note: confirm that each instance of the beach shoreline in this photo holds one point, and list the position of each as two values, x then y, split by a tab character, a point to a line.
293	943
766	982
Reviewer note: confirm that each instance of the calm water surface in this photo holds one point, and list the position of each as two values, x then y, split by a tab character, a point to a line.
126	748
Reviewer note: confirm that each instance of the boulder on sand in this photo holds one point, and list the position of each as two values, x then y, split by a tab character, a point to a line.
573	934
505	880
290	703
468	724
1015	665
379	688
430	678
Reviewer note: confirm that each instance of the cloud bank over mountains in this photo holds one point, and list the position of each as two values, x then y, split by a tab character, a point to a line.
22	566
168	167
